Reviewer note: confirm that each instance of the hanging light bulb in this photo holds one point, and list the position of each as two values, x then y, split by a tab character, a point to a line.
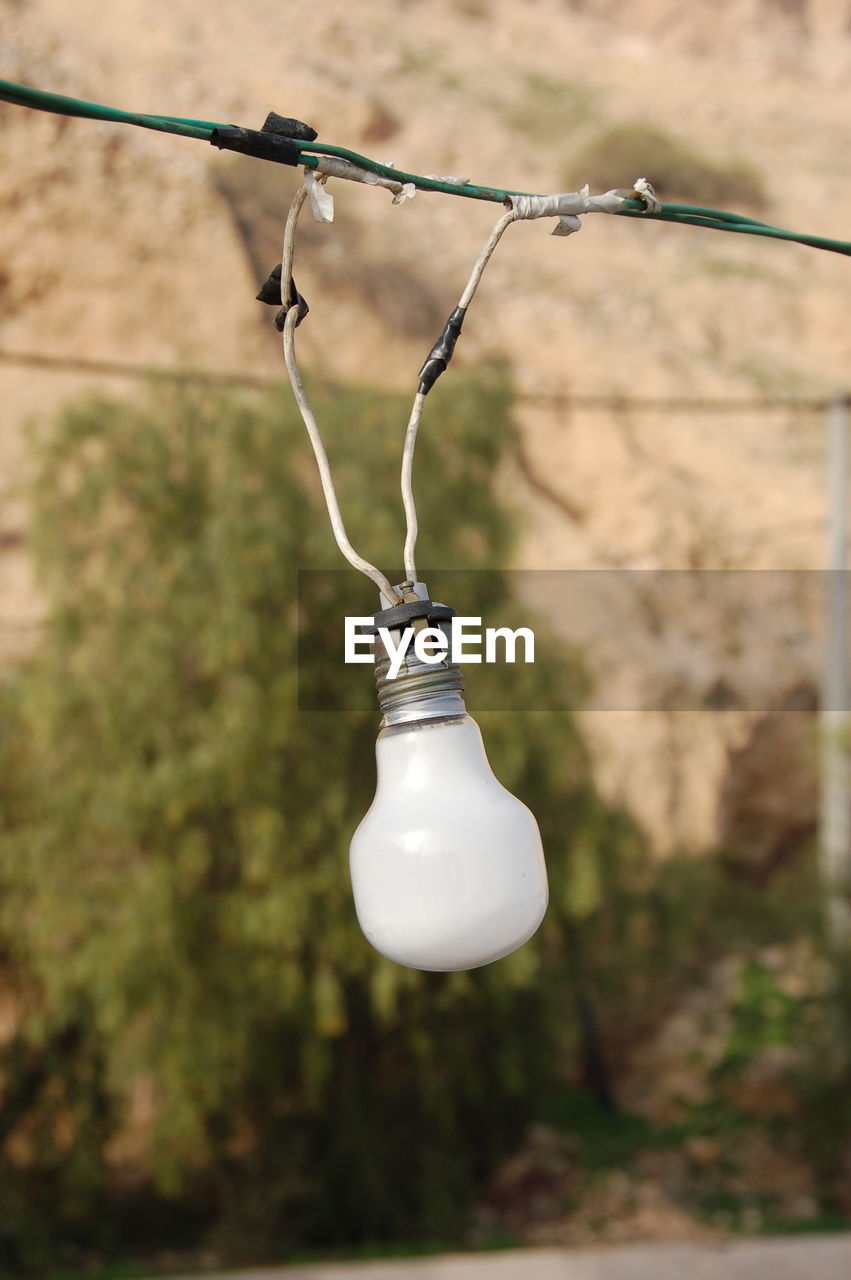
447	866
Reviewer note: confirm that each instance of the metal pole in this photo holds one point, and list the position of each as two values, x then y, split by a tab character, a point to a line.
835	817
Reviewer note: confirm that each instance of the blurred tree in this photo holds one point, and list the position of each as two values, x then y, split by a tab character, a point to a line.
198	1019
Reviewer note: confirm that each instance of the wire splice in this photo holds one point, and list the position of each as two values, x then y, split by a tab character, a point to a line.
277	140
568	202
568	205
270	293
441	353
289	127
257	142
292	299
337	167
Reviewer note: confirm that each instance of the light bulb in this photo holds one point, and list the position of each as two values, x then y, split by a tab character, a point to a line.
447	866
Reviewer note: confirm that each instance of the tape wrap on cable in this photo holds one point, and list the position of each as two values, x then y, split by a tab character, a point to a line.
338	167
567	206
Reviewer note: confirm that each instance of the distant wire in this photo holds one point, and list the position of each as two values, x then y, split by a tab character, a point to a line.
128	369
291	319
566	401
307	153
614	402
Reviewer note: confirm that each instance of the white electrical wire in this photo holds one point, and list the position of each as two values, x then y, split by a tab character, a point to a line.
408	501
289	240
411	527
485	256
290	321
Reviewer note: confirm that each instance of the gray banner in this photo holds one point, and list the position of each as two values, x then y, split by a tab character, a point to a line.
612	639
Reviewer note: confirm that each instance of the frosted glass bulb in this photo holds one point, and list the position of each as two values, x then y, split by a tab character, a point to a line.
447	866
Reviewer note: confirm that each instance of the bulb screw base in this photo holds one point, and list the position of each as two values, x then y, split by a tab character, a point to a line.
420	690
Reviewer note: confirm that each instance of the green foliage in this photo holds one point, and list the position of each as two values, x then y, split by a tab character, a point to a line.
205	1049
623	152
762	1145
205	1042
764	1016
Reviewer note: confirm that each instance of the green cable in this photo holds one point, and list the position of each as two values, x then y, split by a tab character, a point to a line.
494	194
720	214
24	96
309	153
671	213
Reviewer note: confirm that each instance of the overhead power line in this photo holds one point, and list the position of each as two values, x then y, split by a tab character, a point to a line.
128	369
610	402
613	402
291	142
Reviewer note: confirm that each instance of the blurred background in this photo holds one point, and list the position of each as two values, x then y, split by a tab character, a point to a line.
202	1062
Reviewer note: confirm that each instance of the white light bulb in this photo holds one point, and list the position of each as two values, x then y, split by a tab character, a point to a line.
447	866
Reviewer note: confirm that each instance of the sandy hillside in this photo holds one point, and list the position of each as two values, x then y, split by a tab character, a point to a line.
116	244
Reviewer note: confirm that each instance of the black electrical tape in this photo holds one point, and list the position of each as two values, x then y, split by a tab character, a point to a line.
293	299
251	142
271	290
441	353
396	618
271	295
288	127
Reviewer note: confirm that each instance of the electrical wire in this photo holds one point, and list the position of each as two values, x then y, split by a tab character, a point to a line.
308	154
301	151
484	257
58	104
740	225
288	250
290	321
411	525
408	501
